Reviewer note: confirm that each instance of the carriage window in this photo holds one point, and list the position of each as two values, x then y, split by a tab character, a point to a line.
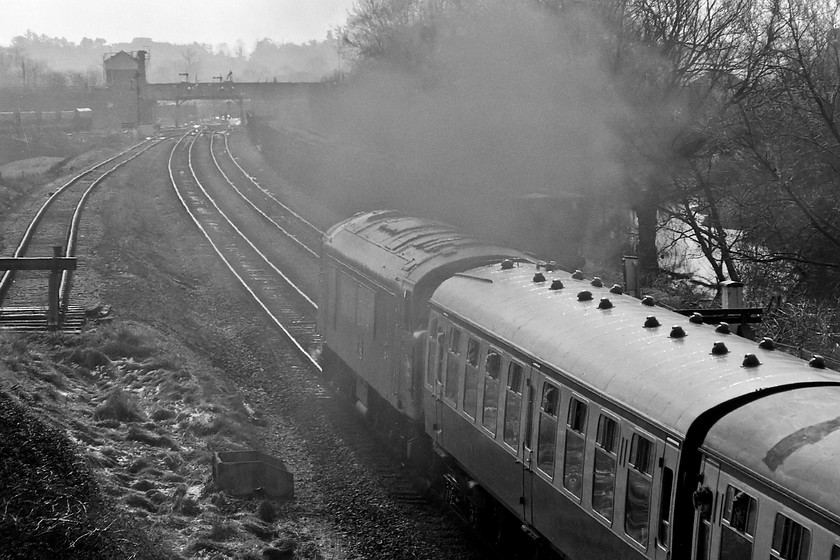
439	362
739	513
547	431
455	341
432	357
603	485
513	404
639	481
641	454
471	378
665	507
453	365
835	552
575	443
472	352
492	368
791	541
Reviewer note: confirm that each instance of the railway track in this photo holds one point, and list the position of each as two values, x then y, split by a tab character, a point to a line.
290	223
243	244
255	234
26	294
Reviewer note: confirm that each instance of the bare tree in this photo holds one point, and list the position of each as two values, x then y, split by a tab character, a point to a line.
670	59
791	137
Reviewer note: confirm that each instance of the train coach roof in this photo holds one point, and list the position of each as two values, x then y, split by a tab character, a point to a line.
669	381
396	248
793	444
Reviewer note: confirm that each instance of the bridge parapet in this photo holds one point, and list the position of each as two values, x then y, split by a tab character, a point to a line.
181	91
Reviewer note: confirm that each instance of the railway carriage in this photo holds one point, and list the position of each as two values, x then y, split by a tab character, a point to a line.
379	270
606	427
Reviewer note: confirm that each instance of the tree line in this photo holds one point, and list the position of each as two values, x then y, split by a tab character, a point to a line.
728	120
39	61
716	120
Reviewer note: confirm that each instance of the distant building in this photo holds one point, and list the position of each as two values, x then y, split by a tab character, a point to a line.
121	71
125	76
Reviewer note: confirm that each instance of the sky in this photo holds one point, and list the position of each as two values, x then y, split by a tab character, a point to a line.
174	21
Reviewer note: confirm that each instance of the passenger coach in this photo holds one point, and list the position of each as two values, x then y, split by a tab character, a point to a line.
604	426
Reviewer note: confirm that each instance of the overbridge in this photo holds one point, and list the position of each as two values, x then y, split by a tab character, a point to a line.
257	92
228	90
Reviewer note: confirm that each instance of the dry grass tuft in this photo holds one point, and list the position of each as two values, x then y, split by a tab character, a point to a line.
125	344
266	511
222	530
183	504
260	530
119	406
161	414
144	436
89	358
140	502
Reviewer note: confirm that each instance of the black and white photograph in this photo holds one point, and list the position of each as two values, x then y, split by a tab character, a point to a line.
420	280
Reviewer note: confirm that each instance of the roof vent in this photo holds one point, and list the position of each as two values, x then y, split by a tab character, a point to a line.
723	328
556	285
651	322
649	301
817	362
585	295
696	318
597	282
750	360
616	289
719	349
605	304
677	332
577	275
539	277
507	264
550	266
767	343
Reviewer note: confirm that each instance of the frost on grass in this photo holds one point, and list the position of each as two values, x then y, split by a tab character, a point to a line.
120	406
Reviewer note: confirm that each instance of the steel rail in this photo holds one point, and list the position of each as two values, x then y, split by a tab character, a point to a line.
253	180
245	237
291	236
26	239
272	316
73	233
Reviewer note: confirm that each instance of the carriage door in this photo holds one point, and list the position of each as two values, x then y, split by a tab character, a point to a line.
529	395
705	503
665	512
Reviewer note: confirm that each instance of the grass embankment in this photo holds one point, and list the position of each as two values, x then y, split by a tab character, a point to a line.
106	442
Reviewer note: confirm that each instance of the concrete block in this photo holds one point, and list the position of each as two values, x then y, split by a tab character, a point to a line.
243	473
